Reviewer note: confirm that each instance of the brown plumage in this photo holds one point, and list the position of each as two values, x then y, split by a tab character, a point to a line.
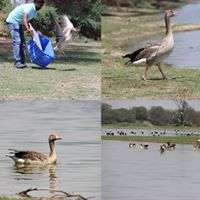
154	54
33	157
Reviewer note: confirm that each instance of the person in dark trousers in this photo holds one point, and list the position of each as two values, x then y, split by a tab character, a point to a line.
18	18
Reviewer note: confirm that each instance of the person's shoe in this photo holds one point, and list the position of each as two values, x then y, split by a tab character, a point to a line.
20	66
25	65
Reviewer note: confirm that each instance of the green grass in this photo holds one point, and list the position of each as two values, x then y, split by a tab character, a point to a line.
156	139
124	83
75	75
6	198
121	82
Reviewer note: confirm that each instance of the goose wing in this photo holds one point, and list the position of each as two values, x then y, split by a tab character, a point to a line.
28	155
147	52
142	53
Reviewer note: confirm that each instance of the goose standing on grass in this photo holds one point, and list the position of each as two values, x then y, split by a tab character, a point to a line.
154	54
33	157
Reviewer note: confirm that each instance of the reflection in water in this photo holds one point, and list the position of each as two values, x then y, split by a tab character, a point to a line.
29	172
53	179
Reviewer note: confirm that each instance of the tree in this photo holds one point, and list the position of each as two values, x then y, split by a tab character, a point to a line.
105	106
121	115
141	113
182	104
84	13
158	116
108	117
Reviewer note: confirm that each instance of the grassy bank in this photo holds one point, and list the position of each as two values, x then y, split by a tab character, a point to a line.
74	75
6	198
121	82
125	83
156	139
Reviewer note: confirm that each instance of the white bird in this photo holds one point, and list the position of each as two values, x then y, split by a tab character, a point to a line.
33	157
154	54
63	30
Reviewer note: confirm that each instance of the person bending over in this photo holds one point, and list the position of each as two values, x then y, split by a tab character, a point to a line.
18	18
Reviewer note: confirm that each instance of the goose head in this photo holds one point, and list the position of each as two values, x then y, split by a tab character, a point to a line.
54	137
170	13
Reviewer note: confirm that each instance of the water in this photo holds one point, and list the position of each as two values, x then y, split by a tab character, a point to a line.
148	175
186	50
26	125
188	14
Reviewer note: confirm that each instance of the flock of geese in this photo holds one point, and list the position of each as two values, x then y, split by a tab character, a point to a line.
176	132
36	158
168	146
154	54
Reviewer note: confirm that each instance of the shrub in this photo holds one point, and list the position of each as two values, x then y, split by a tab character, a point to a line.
6	7
85	14
159	116
44	22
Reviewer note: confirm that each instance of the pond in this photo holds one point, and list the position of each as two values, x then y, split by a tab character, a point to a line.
130	173
27	125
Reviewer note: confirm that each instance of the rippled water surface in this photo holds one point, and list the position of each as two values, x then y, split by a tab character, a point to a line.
26	126
148	175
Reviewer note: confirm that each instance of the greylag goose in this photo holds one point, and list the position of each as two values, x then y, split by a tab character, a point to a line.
144	146
197	145
171	146
154	54
63	30
131	145
163	147
33	157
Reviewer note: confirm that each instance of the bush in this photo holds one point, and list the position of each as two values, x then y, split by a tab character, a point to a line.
44	22
85	14
159	116
6	7
141	113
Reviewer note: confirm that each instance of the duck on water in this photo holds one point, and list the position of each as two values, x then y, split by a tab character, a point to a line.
33	157
154	54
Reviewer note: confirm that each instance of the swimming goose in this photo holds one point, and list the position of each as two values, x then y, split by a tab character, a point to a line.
131	145
163	147
197	145
171	146
154	54
144	146
33	157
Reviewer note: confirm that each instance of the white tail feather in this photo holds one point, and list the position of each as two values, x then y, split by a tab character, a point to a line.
140	62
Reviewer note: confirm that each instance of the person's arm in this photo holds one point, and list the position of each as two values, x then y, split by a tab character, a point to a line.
25	20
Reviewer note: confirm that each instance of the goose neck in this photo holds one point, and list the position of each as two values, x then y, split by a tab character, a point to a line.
168	25
52	149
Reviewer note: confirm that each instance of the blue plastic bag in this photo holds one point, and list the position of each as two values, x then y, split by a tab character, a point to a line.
41	52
